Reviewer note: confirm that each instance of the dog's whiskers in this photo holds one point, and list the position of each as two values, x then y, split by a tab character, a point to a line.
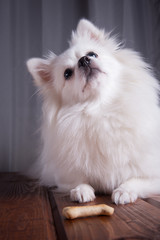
35	93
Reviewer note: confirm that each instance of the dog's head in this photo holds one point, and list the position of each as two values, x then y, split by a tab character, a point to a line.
87	71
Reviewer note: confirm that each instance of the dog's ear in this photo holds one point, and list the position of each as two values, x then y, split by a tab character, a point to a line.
85	27
40	70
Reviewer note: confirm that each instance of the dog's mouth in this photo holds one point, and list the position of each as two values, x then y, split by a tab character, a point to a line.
90	74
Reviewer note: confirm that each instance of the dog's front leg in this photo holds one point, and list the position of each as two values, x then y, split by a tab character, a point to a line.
134	188
82	193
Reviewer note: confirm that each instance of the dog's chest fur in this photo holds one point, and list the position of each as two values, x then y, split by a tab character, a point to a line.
94	145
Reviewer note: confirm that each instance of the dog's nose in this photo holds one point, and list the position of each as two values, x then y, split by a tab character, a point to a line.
84	62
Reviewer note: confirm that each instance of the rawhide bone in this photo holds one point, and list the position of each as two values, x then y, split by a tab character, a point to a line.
86	211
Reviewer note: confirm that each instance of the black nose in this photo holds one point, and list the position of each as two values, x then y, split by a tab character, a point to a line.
84	62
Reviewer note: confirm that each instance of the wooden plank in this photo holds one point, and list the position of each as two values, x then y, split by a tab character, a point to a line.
24	209
154	200
25	213
140	220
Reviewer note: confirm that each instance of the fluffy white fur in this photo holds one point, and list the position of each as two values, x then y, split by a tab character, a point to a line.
100	130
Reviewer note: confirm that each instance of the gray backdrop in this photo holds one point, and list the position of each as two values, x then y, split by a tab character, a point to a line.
30	28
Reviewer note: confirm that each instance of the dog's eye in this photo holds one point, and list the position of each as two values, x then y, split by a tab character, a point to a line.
68	73
92	54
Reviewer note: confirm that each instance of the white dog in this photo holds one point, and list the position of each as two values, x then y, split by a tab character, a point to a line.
101	120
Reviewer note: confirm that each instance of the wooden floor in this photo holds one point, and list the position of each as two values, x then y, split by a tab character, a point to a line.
31	212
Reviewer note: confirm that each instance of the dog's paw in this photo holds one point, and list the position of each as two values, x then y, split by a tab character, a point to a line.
82	193
121	196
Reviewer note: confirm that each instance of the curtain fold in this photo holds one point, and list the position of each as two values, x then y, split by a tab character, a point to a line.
30	28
